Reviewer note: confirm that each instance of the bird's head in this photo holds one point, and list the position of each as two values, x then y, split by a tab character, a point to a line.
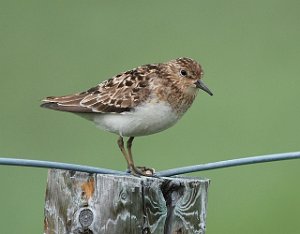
188	73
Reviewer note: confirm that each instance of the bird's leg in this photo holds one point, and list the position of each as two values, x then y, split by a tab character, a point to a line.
129	144
122	148
137	170
131	165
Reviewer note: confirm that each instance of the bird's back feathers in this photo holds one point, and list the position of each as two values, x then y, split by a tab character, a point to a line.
118	94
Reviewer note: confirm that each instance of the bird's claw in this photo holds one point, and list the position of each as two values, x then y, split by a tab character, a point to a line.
142	171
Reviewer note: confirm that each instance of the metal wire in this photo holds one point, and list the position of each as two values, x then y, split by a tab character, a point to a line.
166	173
57	165
230	163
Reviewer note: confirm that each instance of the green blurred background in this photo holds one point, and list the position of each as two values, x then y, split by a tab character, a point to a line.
250	51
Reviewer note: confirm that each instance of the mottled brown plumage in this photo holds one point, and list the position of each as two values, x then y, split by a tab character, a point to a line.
129	89
138	102
118	94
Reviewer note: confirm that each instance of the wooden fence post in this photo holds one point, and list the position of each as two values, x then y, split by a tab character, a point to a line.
79	202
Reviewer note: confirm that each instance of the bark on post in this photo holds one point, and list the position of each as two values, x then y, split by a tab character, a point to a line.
78	202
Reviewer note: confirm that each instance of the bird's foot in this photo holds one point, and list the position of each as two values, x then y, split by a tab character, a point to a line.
142	171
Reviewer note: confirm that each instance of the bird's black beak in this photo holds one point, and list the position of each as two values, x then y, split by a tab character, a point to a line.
199	84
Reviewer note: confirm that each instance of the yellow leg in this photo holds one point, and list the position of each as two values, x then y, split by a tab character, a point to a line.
129	159
129	144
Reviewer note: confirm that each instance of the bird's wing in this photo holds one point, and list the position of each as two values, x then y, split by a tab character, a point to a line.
118	94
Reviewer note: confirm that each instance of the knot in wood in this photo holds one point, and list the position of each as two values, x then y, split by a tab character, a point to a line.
123	196
86	217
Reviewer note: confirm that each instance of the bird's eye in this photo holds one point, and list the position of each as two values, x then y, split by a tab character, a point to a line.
183	72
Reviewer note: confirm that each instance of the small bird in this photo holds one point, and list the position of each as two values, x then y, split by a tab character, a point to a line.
142	101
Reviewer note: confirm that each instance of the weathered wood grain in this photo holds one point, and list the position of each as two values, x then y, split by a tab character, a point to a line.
78	202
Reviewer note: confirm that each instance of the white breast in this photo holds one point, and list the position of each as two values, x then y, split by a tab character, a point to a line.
146	119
